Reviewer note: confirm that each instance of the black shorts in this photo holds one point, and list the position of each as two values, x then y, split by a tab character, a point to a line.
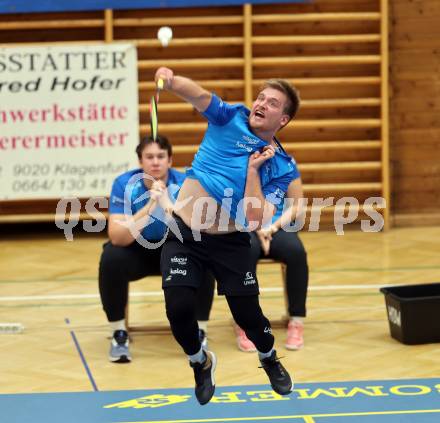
228	256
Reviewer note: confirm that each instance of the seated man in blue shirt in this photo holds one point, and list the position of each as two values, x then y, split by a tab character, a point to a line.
139	202
238	176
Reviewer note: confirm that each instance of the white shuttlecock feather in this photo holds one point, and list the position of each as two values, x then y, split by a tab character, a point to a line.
165	34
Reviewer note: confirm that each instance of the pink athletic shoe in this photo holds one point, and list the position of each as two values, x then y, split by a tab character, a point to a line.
295	335
244	344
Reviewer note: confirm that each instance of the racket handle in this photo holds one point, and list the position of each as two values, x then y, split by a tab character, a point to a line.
160	84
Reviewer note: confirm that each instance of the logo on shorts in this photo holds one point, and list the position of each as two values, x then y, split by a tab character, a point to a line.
178	272
267	329
249	279
179	260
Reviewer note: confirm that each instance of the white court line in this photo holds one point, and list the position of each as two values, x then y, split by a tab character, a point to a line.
159	293
74	296
330	287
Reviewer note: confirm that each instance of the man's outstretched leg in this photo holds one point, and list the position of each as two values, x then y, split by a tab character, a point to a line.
180	304
249	316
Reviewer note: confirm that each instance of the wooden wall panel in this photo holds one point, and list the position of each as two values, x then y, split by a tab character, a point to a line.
415	105
330	49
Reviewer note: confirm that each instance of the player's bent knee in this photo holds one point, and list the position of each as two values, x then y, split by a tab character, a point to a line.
180	303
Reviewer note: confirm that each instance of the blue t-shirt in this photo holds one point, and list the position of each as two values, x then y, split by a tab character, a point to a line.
221	162
129	194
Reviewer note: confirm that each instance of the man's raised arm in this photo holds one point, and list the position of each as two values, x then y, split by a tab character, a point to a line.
185	88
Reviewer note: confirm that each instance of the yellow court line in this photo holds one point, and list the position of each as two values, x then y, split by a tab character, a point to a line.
308	418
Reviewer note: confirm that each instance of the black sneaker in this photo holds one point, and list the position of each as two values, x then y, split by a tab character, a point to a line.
204	377
278	376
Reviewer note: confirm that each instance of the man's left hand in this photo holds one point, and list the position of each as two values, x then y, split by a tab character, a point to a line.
257	159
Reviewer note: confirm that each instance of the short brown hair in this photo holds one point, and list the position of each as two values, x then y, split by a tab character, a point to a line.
161	140
293	99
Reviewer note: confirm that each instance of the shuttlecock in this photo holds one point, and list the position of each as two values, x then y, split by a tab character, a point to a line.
164	35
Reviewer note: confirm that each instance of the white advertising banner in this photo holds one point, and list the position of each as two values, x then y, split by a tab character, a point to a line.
69	121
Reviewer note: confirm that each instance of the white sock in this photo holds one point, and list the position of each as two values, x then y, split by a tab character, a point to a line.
118	325
262	356
203	324
296	319
199	357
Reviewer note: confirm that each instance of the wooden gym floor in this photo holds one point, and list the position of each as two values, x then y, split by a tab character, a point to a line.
50	286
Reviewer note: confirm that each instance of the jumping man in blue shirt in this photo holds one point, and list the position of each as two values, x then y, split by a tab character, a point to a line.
238	176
